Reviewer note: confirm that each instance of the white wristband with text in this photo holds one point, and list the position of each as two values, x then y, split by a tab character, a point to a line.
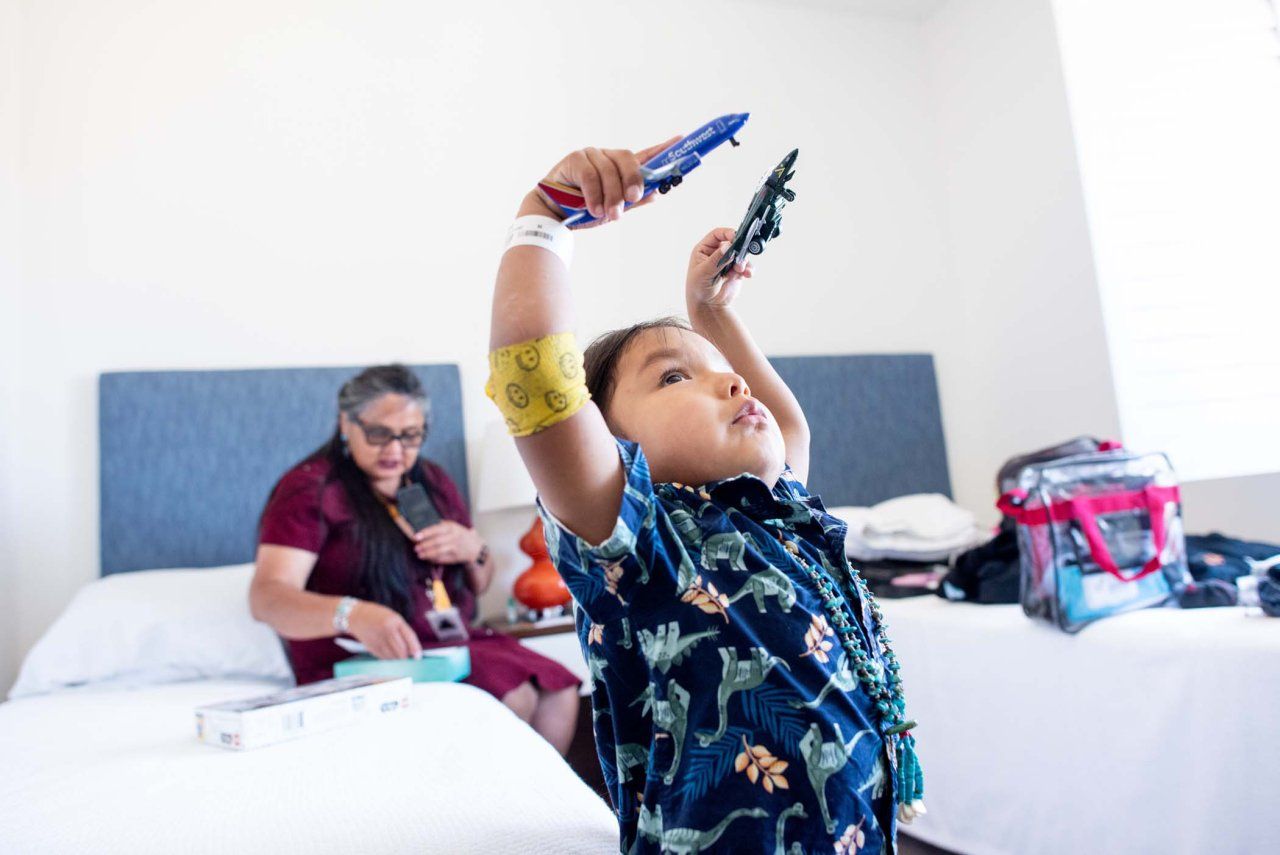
537	230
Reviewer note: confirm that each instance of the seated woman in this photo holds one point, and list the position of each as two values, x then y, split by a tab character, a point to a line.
335	557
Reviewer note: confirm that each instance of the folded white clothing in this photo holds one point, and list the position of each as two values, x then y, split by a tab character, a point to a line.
927	516
918	551
925	527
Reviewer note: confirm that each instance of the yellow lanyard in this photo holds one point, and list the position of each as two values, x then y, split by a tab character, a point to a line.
439	596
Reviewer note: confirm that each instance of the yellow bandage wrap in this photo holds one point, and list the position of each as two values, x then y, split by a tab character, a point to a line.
538	383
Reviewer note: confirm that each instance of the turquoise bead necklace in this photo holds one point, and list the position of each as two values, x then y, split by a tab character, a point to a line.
883	685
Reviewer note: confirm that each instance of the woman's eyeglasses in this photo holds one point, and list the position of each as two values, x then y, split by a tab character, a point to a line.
380	436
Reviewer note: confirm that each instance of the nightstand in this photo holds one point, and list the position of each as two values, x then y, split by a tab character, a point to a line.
524	629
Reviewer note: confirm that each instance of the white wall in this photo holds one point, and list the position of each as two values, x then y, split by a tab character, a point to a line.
1174	112
9	223
1024	363
307	183
1201	90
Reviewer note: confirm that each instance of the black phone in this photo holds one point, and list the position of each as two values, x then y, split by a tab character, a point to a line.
416	507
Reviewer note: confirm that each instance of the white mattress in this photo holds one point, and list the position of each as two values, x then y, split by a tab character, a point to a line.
99	771
1150	732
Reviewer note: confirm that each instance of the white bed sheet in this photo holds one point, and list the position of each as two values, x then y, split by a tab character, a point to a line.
103	771
1151	732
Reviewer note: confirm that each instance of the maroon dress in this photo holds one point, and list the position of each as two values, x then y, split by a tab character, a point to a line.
309	510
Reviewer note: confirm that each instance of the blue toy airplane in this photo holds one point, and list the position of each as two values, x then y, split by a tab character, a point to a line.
662	172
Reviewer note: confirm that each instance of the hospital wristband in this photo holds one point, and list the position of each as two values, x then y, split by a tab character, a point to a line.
546	232
342	614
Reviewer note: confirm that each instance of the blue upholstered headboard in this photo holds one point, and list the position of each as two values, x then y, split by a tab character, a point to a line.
875	423
187	458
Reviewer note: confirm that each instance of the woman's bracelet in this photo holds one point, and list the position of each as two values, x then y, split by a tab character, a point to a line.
342	614
482	556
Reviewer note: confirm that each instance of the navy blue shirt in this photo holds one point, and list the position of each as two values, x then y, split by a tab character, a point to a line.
726	715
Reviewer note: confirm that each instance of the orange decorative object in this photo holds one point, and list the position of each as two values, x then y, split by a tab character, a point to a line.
539	587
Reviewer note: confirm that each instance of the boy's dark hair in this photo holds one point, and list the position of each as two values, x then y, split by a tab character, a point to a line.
600	359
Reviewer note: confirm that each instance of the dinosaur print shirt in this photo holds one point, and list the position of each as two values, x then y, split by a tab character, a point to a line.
726	716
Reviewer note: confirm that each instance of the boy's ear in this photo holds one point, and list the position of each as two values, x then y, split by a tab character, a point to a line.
613	426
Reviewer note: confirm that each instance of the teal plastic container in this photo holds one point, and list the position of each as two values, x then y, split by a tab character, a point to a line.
438	665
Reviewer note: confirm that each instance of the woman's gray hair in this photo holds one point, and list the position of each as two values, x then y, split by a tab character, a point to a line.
372	383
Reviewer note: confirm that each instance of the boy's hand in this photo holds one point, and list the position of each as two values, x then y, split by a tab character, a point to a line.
607	177
705	285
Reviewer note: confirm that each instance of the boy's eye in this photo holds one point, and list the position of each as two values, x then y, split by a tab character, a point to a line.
673	377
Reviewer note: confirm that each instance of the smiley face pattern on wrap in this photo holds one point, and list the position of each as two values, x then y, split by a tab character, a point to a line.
517	395
527	358
537	383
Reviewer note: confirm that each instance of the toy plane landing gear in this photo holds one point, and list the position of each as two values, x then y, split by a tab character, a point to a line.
763	221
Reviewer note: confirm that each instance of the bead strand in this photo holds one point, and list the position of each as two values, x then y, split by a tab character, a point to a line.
883	685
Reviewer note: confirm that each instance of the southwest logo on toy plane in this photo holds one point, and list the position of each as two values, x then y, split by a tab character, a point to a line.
763	221
662	172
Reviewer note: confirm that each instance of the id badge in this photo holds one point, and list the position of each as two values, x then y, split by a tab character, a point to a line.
448	624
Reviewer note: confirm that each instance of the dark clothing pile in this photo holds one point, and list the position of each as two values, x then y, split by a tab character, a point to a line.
1216	556
990	573
1269	592
895	580
1215	562
987	574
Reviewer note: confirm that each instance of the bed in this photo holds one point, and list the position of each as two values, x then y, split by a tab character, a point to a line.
98	742
1149	732
118	771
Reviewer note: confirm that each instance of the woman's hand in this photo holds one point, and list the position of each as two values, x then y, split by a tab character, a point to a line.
383	631
608	178
448	542
705	286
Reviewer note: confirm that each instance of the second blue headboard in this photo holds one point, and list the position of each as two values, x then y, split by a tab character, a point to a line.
876	425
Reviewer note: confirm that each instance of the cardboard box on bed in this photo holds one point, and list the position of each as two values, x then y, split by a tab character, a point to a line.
301	711
437	665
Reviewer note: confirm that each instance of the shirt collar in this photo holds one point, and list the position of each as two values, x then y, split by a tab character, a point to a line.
784	504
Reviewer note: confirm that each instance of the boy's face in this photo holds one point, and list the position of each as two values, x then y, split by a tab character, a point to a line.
677	396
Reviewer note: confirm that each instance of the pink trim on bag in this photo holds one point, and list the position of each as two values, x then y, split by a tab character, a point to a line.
1110	445
1085	510
1010	504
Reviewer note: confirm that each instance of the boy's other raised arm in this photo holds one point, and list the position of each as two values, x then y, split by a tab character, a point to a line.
710	297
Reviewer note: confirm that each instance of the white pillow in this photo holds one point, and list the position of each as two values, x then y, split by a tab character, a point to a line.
152	627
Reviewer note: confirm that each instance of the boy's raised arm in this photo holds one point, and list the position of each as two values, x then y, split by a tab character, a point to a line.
709	298
574	463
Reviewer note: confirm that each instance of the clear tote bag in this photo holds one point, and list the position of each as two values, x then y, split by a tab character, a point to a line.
1099	534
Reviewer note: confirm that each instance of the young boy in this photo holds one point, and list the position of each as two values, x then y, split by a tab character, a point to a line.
745	699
